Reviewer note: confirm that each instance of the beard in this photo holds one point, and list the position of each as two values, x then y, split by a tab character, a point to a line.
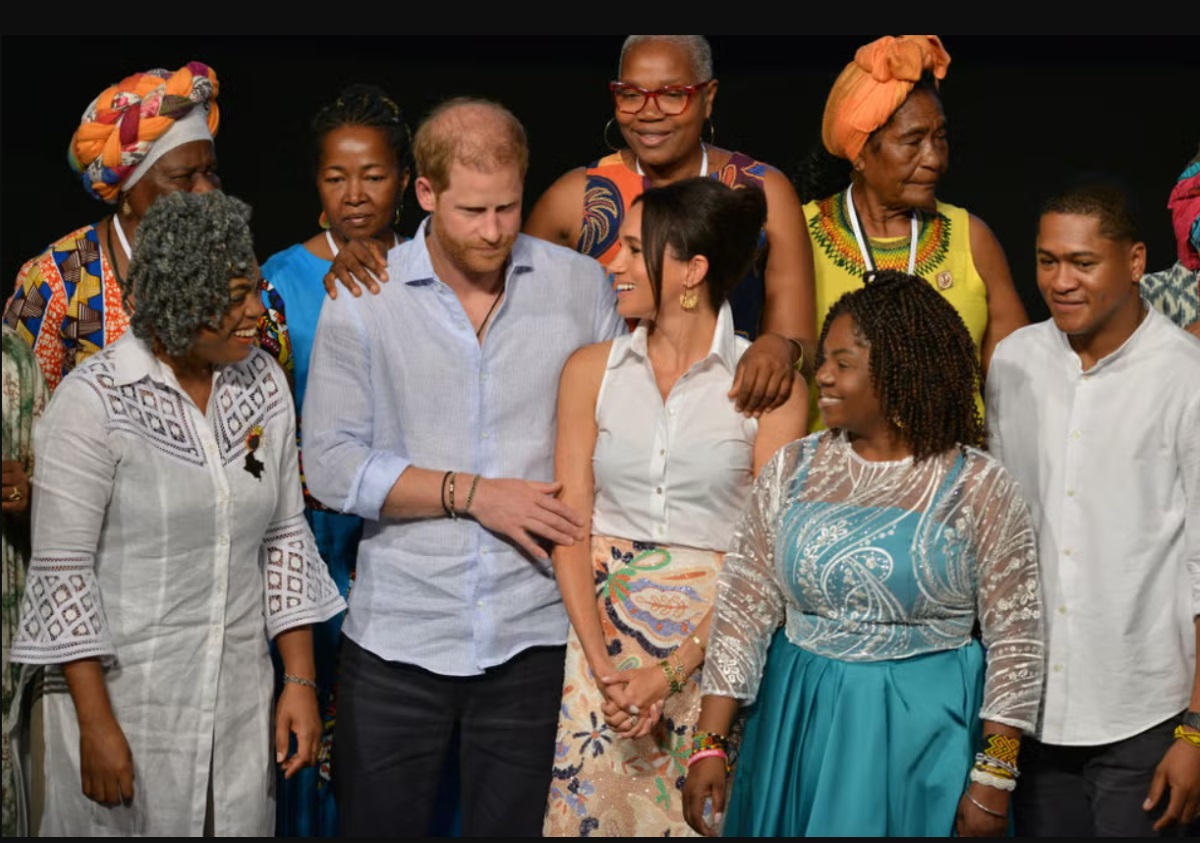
473	256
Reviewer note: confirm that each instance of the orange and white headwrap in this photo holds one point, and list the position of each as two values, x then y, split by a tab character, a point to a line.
873	86
137	120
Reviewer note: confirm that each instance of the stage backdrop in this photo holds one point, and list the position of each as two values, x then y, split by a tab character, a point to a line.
1022	110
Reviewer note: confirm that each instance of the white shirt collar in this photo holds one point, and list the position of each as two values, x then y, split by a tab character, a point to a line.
724	342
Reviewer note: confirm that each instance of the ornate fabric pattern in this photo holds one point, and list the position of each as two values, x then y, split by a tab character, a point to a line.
650	598
831	231
246	395
61	616
869	561
298	588
1174	292
603	211
67	304
273	335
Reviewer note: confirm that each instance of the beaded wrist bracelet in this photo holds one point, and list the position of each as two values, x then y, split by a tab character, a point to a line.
299	680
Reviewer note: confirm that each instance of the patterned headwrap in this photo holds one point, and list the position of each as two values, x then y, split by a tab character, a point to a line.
873	86
1184	203
121	126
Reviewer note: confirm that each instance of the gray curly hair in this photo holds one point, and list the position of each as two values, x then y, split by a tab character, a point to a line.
189	246
696	46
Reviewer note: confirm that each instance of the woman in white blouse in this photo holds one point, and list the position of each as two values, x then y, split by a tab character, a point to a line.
650	443
168	543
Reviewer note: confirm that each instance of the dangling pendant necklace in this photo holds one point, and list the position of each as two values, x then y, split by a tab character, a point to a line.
703	163
864	246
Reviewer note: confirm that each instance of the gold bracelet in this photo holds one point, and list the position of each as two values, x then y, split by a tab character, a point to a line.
471	495
696	640
1187	736
453	514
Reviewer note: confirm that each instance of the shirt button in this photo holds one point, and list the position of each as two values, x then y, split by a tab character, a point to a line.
479	603
662	452
658	490
484	434
223	541
1066	551
1058	668
484	551
483	376
1062	610
1075	434
671	411
1070	493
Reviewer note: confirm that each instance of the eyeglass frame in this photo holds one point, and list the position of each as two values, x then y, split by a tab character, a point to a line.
690	90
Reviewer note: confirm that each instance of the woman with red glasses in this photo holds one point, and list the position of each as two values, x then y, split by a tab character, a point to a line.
663	99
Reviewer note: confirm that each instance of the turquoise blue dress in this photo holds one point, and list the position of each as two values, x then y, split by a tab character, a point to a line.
293	297
845	625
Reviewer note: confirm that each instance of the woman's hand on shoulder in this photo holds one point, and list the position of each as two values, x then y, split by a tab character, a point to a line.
358	262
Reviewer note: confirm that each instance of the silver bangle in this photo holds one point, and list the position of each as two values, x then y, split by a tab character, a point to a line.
299	680
983	807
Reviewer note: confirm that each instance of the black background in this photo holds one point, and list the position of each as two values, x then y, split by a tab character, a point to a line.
1023	112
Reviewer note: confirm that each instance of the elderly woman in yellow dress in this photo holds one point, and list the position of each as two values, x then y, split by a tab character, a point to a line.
169	543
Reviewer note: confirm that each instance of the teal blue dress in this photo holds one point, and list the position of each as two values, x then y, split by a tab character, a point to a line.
844	622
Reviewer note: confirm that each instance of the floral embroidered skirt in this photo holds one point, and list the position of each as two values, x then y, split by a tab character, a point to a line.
650	598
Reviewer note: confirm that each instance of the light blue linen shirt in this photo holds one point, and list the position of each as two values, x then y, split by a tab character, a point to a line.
399	379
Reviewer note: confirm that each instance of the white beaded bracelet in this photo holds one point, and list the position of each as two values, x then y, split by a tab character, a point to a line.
991	780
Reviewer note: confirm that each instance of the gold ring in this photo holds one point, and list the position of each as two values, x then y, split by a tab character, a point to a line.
16	494
633	720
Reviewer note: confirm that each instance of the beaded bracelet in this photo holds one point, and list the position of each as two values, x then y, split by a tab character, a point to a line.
675	673
299	680
471	494
991	780
453	513
702	741
995	765
1188	736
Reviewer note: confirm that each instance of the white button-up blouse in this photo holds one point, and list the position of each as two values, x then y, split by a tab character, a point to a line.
679	471
170	543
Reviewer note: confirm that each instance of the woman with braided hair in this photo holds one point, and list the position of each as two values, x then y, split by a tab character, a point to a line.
844	613
361	160
148	135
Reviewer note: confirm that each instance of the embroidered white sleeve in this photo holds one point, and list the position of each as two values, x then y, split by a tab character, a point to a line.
298	588
1009	599
62	618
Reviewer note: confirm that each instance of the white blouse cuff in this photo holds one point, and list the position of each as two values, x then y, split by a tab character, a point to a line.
299	590
62	619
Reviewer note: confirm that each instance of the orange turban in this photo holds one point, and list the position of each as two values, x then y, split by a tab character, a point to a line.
873	86
120	127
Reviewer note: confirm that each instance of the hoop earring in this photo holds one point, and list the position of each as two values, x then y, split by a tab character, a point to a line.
607	142
689	298
323	221
126	208
712	132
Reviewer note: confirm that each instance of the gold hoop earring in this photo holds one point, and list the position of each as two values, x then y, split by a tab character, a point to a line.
689	298
712	132
607	142
323	221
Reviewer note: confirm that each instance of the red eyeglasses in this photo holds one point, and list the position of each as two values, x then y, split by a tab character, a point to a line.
669	99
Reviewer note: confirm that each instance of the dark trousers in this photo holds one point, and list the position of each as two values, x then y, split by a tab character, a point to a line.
1092	791
395	723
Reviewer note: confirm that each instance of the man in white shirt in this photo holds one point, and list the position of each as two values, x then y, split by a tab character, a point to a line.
1096	413
430	412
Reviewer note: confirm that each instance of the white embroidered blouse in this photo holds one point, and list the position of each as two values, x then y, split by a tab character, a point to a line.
170	543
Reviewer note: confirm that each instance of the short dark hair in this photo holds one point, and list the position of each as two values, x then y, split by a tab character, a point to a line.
189	247
365	105
702	216
1101	196
924	365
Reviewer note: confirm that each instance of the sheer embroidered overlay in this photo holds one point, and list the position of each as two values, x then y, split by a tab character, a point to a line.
61	616
870	561
298	587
